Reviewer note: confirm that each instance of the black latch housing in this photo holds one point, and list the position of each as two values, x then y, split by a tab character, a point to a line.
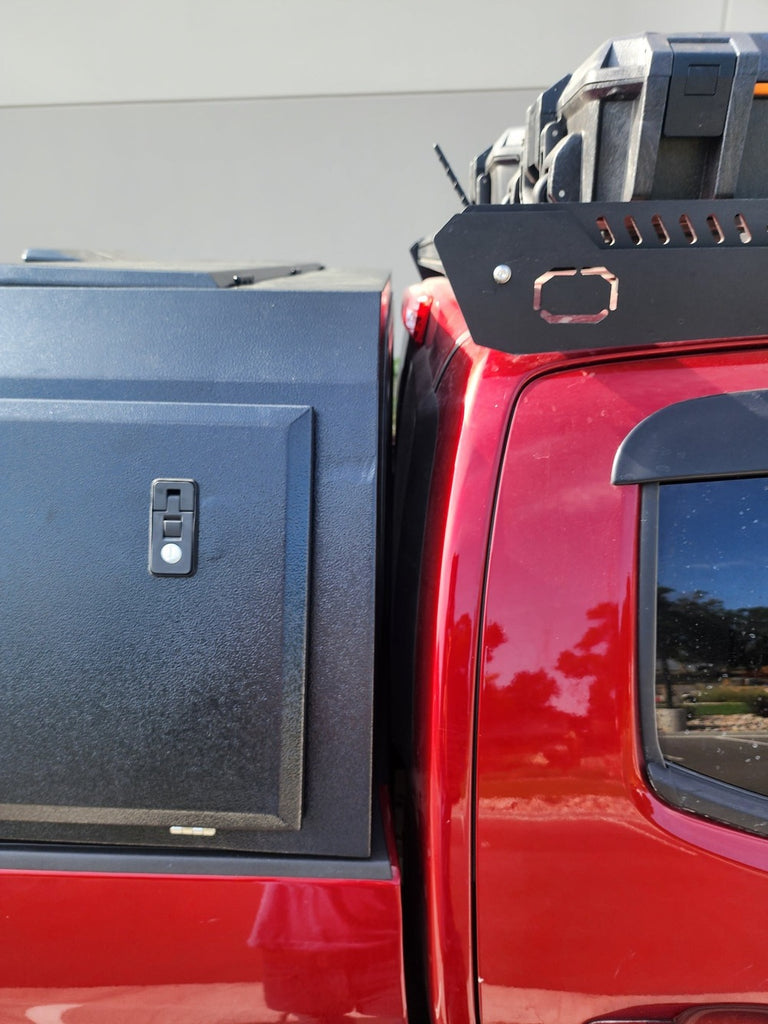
699	89
172	527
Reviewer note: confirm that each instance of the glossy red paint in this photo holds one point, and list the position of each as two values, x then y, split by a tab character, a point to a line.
473	397
416	306
475	390
444	327
476	396
213	950
443	784
593	897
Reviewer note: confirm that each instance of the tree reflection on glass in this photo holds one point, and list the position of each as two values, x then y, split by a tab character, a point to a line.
712	629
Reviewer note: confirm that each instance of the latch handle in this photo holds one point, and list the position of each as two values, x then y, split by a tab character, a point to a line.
173	527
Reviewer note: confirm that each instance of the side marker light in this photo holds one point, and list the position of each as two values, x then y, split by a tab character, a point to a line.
416	307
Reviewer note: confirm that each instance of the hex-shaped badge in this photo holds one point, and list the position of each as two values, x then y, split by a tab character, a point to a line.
591	293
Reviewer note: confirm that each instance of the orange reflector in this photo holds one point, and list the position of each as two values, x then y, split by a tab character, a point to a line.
761	88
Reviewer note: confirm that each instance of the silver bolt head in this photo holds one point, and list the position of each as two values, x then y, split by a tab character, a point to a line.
171	553
502	273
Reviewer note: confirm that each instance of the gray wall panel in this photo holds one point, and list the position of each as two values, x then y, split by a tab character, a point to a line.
746	15
351	181
330	158
86	51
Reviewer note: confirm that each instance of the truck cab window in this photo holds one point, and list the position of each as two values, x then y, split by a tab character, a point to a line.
702	469
711	672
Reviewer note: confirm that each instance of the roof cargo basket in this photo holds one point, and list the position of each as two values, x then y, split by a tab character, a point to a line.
656	144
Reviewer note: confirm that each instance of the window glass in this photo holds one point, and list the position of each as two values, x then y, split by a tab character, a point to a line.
712	629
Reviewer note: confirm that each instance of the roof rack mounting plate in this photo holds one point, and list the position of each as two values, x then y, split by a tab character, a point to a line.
609	275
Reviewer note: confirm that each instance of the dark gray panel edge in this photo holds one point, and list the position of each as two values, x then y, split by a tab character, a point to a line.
108	411
70	815
127	860
716	436
295	617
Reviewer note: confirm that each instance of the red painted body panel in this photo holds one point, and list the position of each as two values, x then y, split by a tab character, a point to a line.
452	567
473	398
589	889
444	327
213	950
593	897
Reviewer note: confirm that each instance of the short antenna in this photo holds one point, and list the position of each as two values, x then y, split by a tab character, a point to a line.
451	176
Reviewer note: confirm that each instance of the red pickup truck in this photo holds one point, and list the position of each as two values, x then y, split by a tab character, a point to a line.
565	735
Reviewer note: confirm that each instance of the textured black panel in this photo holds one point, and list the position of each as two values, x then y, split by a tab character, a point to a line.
118	704
135	860
127	695
609	275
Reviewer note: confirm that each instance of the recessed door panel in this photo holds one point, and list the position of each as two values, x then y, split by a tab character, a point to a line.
135	703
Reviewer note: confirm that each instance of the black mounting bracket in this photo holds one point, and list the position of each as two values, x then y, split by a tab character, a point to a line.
557	277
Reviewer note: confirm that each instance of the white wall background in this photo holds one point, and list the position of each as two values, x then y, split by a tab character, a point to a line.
250	131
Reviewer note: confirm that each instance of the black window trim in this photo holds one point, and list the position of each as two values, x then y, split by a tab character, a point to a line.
717	437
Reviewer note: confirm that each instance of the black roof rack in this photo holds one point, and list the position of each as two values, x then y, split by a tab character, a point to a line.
633	209
552	277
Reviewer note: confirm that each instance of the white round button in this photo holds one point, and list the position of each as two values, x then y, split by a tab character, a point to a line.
171	553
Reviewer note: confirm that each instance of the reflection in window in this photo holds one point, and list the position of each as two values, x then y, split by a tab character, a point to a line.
712	629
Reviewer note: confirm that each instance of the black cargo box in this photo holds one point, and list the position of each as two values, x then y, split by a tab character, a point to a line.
190	482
